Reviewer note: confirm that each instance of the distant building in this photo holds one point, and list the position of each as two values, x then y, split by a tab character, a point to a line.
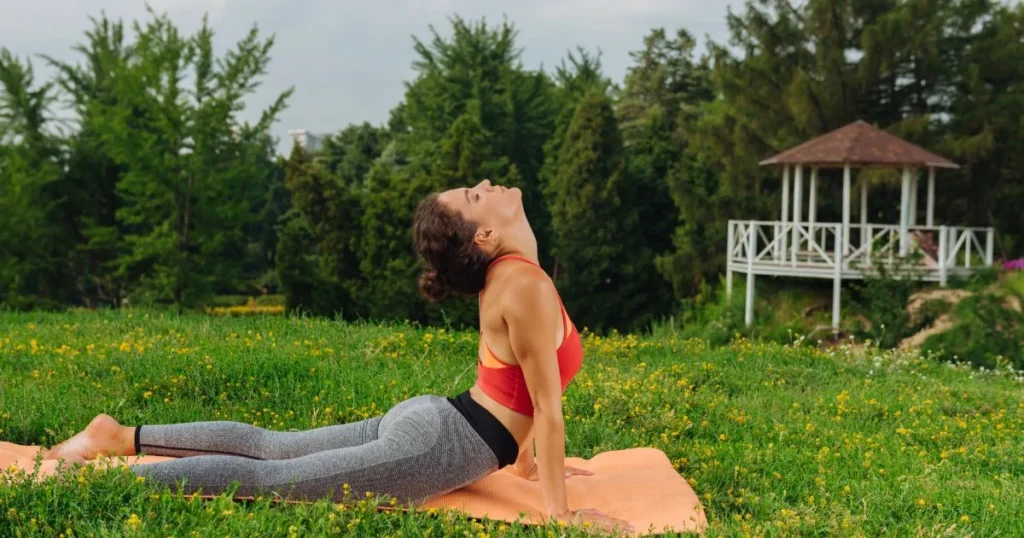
307	140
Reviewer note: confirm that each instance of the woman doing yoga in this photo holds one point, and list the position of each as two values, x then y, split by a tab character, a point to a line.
475	241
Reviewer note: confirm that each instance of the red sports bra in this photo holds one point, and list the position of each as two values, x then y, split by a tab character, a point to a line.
505	383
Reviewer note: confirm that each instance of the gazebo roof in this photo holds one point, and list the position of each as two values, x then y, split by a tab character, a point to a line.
859	144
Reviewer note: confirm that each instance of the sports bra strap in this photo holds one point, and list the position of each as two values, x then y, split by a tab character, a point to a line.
511	257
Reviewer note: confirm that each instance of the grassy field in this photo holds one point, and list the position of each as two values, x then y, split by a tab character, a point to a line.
777	441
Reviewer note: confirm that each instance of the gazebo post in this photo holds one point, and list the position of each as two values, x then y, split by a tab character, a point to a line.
781	247
731	242
930	217
865	234
748	310
904	210
837	280
914	182
812	209
943	255
797	203
845	247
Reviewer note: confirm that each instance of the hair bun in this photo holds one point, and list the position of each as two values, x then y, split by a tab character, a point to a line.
433	286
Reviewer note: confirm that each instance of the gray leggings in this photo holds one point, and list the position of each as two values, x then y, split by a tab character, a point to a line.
421	448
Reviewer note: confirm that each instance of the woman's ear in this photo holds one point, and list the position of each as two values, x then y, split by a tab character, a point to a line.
486	239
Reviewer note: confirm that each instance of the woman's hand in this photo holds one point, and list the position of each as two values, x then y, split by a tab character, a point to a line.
595	518
569	471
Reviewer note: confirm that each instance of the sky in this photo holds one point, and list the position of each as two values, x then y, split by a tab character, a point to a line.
348	60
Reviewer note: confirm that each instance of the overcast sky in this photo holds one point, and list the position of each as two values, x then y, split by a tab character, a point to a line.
348	59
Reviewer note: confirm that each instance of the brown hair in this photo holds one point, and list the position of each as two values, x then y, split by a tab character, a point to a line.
444	240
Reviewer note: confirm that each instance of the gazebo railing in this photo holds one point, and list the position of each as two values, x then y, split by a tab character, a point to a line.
813	247
876	241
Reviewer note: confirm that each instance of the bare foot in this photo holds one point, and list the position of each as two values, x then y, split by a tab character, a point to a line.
102	437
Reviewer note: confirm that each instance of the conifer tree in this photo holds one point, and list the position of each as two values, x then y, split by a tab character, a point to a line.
193	171
662	90
315	240
33	267
91	202
600	260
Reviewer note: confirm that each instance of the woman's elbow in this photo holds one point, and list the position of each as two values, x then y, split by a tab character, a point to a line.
548	416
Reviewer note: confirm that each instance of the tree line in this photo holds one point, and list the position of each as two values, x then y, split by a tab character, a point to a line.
155	192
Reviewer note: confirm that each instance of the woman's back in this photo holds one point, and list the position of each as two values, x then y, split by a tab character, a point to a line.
502	386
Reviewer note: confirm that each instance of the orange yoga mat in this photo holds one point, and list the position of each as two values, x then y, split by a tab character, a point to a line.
638	485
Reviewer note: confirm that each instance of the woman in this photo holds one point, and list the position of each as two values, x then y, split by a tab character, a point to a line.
474	241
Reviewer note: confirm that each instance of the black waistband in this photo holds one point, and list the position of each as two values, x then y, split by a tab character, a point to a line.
490	429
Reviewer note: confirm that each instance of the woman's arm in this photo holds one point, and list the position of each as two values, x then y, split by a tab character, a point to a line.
532	319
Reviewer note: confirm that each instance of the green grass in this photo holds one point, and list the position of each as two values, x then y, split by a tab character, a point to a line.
776	440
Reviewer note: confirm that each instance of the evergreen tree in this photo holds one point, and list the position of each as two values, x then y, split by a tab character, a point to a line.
477	73
350	153
600	257
89	183
33	266
315	260
905	66
193	171
471	113
386	256
572	82
984	132
265	237
662	90
386	259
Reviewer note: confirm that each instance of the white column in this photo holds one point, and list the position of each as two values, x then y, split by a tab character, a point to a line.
913	198
943	254
846	213
797	206
904	210
990	235
837	279
812	211
812	208
728	260
864	235
748	315
781	253
967	248
930	217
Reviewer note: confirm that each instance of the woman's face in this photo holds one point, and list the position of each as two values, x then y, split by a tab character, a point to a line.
490	207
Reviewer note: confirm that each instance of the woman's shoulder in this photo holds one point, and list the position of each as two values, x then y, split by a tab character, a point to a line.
524	289
519	276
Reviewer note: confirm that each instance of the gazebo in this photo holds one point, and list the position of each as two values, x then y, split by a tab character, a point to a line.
812	249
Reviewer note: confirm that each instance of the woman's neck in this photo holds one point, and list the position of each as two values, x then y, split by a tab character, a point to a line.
524	248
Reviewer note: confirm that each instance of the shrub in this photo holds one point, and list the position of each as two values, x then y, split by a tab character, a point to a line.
1014	283
984	331
270	300
229	300
883	300
929	312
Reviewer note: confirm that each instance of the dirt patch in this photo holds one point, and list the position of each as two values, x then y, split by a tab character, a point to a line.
1012	302
944	322
919	299
941	324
